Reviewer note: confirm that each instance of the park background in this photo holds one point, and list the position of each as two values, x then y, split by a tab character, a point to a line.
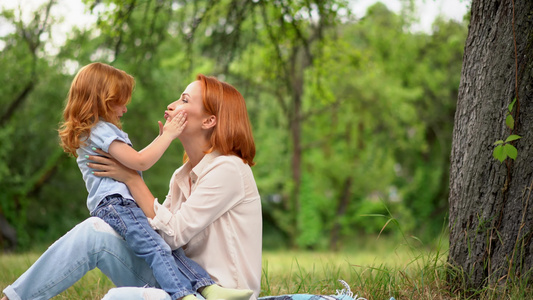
352	116
352	112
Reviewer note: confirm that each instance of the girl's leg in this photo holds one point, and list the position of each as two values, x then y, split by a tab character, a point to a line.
201	280
129	221
196	275
177	274
90	244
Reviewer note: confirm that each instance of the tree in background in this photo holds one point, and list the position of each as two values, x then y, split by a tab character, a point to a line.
387	140
30	103
491	213
367	128
294	40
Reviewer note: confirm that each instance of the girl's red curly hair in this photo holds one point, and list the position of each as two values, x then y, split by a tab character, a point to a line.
94	93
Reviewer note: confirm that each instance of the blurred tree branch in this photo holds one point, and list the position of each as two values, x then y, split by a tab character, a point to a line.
32	36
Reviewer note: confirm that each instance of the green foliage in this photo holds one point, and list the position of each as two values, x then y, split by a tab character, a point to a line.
375	117
372	217
509	120
309	216
505	149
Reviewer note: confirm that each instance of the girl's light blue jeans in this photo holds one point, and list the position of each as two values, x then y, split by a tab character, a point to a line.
177	274
91	244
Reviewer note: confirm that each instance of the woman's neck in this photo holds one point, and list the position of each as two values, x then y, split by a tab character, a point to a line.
195	150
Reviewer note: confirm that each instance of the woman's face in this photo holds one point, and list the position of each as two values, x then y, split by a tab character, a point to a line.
191	103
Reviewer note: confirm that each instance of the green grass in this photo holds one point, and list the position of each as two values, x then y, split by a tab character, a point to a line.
374	269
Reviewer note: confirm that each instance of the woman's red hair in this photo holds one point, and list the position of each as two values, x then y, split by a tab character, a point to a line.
94	93
232	134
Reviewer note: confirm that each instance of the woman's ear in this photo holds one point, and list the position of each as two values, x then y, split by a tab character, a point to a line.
209	122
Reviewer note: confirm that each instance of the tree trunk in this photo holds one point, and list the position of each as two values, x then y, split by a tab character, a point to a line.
8	235
342	206
491	211
296	166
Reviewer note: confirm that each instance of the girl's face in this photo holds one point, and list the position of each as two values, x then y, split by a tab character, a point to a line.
119	110
191	103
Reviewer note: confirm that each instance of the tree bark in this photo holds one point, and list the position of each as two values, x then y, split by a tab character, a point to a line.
342	206
8	235
491	211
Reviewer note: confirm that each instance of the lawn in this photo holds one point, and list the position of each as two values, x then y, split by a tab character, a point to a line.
373	269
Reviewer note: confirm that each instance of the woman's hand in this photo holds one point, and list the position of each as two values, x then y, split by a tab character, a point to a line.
105	165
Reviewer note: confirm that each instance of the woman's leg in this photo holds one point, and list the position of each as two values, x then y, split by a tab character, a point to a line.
136	293
90	244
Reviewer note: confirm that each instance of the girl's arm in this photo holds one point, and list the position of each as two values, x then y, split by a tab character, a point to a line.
147	157
106	166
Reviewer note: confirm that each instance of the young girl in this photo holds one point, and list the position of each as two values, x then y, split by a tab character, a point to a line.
96	101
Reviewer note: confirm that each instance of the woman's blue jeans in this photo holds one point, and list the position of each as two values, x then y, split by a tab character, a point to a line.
91	244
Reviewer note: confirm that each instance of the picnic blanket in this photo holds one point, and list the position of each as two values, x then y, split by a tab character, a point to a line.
344	294
137	293
313	297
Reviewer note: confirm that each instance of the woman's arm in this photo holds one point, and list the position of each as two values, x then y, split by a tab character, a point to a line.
107	166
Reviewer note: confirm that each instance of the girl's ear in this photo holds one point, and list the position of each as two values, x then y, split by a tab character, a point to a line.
209	122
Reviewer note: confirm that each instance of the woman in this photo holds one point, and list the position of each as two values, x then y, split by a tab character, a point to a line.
212	211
